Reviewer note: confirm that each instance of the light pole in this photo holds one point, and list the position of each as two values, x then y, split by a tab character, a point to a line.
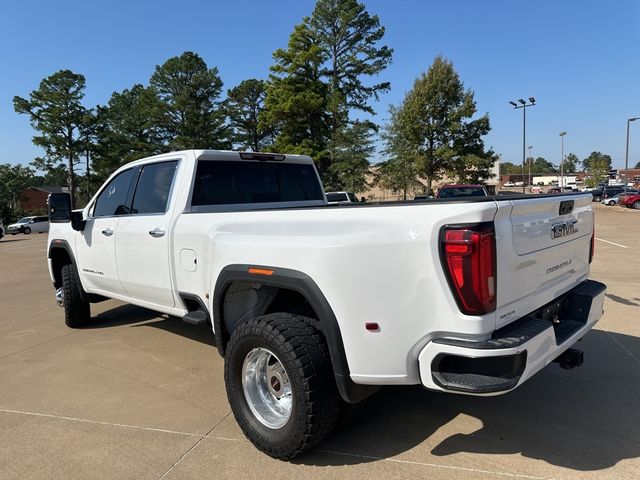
523	105
626	155
562	134
530	147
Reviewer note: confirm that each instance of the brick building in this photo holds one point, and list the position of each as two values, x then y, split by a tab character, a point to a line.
34	199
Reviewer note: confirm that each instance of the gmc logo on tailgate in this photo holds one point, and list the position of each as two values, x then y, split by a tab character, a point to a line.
564	229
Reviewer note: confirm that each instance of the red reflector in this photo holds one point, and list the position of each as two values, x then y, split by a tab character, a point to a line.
469	258
372	326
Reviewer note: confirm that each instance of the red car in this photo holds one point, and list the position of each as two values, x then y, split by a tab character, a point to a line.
631	201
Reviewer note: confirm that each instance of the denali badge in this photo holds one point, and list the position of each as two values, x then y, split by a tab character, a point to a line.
564	229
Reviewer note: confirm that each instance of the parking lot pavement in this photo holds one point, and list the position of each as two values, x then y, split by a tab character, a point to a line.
140	395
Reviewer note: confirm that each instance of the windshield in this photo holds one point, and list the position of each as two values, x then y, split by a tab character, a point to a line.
458	192
337	197
24	220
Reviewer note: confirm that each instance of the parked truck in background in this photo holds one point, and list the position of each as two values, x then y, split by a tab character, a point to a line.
314	307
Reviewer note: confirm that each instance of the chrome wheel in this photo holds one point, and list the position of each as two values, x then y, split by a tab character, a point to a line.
60	297
267	388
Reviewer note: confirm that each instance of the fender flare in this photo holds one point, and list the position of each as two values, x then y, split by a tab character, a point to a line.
327	323
60	244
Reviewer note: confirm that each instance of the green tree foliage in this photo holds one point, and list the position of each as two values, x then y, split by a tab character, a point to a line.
125	130
348	38
400	173
188	110
598	159
434	123
541	166
56	112
245	105
507	168
571	163
471	163
598	166
296	102
320	79
14	180
352	146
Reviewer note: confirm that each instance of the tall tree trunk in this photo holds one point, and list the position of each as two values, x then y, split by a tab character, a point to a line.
72	182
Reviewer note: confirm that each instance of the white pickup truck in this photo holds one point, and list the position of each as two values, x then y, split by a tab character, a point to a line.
316	306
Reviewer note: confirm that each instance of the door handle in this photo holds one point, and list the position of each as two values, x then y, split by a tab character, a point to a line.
107	232
156	233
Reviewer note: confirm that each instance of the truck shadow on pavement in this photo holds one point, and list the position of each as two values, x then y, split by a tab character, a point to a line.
139	317
584	419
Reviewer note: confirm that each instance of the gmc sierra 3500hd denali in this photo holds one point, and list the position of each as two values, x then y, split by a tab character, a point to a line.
313	306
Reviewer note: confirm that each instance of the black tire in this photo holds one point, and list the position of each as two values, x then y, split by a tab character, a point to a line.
26	230
636	204
303	353
77	311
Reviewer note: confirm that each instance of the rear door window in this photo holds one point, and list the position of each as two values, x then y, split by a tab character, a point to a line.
154	186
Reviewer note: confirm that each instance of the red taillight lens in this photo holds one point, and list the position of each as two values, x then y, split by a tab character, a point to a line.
469	258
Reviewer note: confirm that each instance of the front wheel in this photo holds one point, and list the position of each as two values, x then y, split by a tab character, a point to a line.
280	384
76	310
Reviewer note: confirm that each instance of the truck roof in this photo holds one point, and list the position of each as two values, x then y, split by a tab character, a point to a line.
232	155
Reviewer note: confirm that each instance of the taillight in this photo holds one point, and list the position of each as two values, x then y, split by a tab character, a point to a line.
469	257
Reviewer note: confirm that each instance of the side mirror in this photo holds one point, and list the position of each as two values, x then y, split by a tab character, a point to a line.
60	211
59	207
77	222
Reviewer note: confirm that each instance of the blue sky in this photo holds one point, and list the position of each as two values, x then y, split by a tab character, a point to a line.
580	59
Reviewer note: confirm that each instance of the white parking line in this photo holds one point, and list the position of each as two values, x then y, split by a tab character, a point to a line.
98	422
330	452
612	243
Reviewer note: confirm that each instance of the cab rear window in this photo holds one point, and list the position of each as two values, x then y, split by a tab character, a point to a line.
225	183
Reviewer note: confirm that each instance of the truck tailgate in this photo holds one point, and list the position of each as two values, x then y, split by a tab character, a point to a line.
542	251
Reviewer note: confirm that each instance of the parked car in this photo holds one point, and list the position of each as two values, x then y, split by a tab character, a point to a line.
462	191
631	201
606	192
27	225
554	190
308	302
509	184
616	199
341	197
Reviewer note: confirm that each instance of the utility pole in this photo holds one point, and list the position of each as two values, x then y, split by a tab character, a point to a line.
530	148
626	155
524	105
562	134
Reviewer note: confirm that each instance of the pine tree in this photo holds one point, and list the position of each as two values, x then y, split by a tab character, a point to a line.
188	110
245	105
56	112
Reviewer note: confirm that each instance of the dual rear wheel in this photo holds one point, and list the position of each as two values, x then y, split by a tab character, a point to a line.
280	384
